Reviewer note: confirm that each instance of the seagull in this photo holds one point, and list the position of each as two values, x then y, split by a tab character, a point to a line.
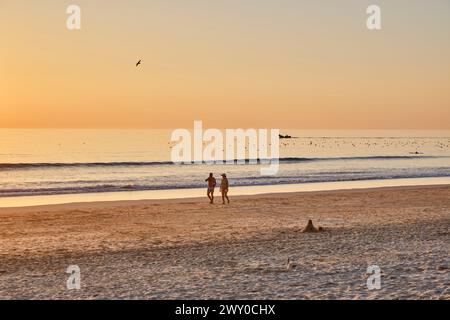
138	63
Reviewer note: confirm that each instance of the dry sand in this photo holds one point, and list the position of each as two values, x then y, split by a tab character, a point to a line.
190	249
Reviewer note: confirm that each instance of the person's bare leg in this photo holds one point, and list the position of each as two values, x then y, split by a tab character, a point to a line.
223	197
212	197
209	196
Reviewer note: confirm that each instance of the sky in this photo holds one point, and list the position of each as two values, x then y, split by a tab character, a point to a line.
230	63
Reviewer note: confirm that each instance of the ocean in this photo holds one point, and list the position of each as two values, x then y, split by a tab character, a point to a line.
36	162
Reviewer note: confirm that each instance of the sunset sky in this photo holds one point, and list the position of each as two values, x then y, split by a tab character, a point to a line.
231	63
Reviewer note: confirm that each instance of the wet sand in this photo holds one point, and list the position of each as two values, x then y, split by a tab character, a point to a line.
189	249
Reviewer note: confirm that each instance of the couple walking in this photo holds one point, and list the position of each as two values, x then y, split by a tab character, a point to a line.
223	188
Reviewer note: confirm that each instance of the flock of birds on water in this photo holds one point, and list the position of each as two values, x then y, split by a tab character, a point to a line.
392	142
415	146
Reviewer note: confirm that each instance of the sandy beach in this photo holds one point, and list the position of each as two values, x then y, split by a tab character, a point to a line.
189	249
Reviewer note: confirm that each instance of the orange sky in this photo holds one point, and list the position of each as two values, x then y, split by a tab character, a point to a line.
273	64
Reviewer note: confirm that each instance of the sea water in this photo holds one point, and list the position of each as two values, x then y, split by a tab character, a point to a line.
36	162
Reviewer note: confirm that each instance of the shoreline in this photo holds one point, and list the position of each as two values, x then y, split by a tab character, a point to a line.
204	200
188	195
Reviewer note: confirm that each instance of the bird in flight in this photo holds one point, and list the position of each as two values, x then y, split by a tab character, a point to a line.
138	63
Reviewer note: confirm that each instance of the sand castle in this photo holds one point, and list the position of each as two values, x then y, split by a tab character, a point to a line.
310	227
